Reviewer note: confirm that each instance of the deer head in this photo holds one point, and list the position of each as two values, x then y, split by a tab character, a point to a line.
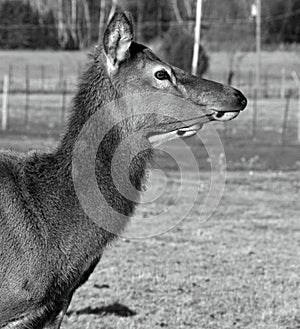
134	69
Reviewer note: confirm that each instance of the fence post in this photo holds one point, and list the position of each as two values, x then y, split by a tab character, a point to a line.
42	77
297	81
10	73
78	69
286	116
254	119
238	78
250	83
27	94
299	112
61	75
63	105
283	84
5	102
266	84
224	77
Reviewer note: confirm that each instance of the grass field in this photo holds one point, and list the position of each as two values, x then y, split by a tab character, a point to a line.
238	270
266	152
48	69
272	62
45	116
45	110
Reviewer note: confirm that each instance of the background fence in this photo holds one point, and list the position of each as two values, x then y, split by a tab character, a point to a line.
38	102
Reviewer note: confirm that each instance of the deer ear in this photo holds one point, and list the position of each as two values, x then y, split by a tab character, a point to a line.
117	39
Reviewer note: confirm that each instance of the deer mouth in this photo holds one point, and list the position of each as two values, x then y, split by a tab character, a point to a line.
222	116
189	131
159	138
191	127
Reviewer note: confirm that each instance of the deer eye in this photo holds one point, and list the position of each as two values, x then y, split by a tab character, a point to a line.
162	75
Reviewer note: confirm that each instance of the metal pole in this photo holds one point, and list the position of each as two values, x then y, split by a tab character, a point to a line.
101	19
113	9
299	112
197	37
258	45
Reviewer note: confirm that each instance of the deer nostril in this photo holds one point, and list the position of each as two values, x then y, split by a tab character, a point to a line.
244	101
241	98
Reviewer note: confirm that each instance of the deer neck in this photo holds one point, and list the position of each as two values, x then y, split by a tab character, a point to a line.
94	92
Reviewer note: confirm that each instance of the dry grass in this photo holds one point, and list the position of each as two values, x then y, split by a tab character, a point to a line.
45	116
51	60
45	110
272	64
272	61
239	270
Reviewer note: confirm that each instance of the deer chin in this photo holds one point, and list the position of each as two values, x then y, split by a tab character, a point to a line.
160	138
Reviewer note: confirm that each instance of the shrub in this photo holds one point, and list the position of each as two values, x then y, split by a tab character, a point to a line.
178	51
22	27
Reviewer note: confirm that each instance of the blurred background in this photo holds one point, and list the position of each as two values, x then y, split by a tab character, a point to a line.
250	44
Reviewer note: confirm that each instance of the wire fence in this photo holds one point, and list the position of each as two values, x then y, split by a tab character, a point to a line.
42	80
40	105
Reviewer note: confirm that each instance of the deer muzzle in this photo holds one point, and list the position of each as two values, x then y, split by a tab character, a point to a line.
216	103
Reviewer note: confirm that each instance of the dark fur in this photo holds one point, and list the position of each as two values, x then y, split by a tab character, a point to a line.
48	245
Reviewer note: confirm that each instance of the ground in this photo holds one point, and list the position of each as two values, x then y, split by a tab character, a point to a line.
238	270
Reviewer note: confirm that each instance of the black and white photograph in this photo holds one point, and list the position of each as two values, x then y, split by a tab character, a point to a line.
149	164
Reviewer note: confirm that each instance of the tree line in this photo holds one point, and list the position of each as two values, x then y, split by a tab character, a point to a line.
76	24
73	24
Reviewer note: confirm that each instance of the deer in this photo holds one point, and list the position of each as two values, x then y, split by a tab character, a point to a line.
49	246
